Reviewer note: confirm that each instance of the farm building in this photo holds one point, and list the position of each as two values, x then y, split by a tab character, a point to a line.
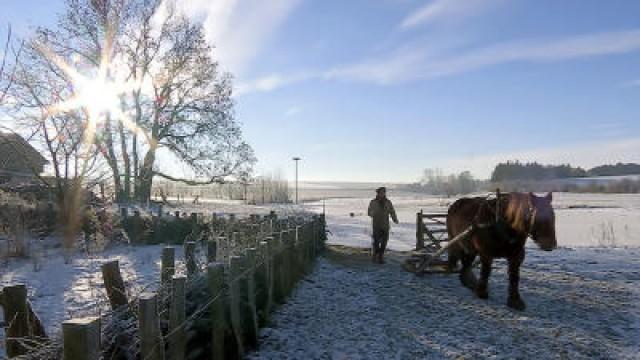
18	159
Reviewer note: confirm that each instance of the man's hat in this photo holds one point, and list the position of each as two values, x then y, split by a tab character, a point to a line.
381	189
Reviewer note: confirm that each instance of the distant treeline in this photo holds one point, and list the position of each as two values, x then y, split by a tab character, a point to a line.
618	169
435	182
516	176
515	170
619	186
263	190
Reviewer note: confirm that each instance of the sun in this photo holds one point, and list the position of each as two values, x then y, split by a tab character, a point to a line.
98	96
99	93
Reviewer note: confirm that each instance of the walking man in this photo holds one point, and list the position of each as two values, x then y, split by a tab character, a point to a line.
380	209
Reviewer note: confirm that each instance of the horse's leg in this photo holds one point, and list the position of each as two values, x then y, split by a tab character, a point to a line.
515	301
482	290
453	256
466	274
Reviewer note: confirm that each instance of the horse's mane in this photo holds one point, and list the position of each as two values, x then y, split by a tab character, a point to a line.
517	208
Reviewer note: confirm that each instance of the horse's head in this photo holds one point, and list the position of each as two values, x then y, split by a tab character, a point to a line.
543	231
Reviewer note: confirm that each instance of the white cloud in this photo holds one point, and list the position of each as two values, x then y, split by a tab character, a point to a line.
632	83
446	10
398	67
586	155
292	111
418	63
271	82
239	28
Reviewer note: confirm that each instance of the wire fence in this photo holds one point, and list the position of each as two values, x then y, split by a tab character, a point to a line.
282	251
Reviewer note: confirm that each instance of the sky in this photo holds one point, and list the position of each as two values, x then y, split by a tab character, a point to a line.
378	90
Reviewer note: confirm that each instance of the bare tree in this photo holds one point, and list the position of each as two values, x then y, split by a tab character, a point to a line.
173	96
40	89
7	64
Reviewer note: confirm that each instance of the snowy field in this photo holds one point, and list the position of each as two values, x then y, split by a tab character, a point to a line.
583	299
582	296
582	220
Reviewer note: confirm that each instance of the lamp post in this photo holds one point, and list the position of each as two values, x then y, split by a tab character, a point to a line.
296	159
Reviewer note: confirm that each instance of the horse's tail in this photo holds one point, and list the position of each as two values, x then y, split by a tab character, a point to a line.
455	252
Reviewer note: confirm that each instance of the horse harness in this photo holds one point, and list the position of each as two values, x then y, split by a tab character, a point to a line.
500	223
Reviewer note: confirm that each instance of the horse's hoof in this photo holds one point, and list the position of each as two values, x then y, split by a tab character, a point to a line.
516	304
482	293
469	281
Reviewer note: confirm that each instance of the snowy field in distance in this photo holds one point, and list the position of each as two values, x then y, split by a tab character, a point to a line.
582	220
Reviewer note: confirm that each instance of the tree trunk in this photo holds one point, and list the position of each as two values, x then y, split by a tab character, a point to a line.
134	146
146	175
112	160
136	164
126	163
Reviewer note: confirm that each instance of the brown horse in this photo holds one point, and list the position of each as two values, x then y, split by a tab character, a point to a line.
501	227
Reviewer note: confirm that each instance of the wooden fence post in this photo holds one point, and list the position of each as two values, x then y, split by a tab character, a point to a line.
419	231
236	303
309	256
168	264
313	238
81	339
212	249
277	269
287	267
262	284
151	344
215	277
251	317
269	262
114	284
22	321
323	231
190	258
177	331
298	255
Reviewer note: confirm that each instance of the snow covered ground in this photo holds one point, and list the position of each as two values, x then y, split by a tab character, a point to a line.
583	299
582	296
60	291
582	304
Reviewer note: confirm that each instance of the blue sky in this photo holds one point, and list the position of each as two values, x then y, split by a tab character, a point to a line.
377	90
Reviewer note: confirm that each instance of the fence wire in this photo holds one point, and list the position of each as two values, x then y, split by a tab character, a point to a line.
122	323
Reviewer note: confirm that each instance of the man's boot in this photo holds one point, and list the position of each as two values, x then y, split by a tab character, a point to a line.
381	258
374	257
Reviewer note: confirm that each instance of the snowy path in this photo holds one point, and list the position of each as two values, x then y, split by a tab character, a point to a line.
581	304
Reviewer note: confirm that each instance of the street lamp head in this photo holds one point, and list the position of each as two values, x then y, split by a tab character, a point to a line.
296	158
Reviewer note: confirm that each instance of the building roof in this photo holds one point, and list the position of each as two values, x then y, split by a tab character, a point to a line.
17	155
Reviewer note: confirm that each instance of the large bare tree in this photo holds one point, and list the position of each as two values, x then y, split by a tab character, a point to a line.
39	90
8	59
172	97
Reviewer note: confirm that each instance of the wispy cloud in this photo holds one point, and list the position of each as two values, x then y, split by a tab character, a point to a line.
292	111
239	28
632	83
272	82
446	11
415	62
418	63
400	66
